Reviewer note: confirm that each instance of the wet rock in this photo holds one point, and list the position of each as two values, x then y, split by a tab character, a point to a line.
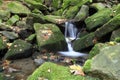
12	20
49	37
84	42
18	8
106	65
98	19
115	35
9	35
82	14
4	15
108	27
53	71
19	49
39	61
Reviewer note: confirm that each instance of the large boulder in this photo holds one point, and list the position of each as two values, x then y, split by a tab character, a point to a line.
105	65
108	27
49	37
19	49
51	71
98	19
18	8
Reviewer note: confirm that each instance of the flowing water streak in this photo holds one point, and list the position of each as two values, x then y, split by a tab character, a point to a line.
70	35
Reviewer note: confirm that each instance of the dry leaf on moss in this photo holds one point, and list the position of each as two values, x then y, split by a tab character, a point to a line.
77	70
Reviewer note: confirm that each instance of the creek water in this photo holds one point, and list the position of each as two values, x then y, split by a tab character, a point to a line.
70	35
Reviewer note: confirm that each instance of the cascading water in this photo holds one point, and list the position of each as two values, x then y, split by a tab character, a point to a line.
70	35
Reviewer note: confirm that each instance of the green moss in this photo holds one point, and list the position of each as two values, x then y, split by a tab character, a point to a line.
108	27
4	15
18	8
53	71
12	20
117	39
87	65
98	19
19	49
1	76
49	37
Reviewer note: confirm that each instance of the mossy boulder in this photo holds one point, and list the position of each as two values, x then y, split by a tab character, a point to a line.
12	20
82	14
106	65
36	4
115	35
98	19
84	42
71	11
2	44
54	19
49	37
9	35
18	8
4	15
87	65
108	27
97	48
19	49
53	71
98	6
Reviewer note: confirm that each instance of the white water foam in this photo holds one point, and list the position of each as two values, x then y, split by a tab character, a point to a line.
70	35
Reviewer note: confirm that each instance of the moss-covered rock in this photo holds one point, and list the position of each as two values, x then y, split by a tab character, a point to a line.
50	37
36	4
82	14
84	42
17	8
98	6
4	15
2	44
12	20
71	11
19	49
9	35
108	27
98	19
98	47
106	64
53	71
115	35
87	65
54	19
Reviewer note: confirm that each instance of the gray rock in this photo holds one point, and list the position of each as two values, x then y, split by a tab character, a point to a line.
106	63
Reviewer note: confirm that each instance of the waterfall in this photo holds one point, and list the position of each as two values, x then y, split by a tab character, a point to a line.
70	35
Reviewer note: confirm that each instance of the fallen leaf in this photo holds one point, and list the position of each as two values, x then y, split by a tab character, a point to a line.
76	70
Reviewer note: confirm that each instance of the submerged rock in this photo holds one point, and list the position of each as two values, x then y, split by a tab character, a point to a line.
49	37
106	65
51	71
19	49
